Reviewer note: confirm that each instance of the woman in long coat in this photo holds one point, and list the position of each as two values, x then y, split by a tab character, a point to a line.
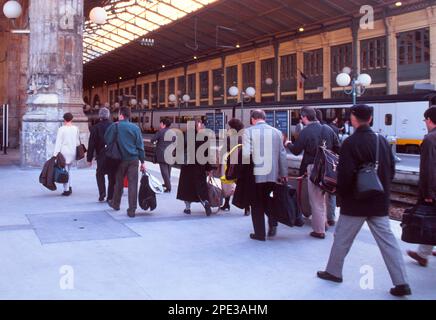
193	182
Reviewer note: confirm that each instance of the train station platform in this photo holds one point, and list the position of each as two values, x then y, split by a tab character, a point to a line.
46	238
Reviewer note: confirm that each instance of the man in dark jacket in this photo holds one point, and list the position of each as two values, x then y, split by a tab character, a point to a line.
96	148
132	151
427	178
161	146
309	141
357	150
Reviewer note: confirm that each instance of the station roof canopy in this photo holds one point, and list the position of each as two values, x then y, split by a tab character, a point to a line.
142	36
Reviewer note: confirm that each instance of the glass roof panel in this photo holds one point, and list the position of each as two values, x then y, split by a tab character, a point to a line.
132	19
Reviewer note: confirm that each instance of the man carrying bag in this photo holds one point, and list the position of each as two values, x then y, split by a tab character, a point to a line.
358	151
427	188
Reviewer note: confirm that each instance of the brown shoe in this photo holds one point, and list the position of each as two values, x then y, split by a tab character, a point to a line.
130	213
415	256
317	235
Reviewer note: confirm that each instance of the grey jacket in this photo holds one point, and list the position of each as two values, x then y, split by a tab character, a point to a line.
161	145
264	145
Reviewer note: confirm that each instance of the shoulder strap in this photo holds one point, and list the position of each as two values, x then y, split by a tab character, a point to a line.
377	150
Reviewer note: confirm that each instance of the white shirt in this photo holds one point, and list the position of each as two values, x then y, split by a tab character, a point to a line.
66	142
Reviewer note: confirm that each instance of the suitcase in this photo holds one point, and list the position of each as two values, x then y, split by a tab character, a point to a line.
146	195
419	225
300	185
282	206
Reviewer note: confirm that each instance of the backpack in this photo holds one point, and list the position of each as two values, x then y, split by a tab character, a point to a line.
324	173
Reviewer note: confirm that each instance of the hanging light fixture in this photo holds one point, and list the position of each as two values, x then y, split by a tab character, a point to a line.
98	15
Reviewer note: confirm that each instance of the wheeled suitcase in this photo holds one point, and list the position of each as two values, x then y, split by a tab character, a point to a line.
282	205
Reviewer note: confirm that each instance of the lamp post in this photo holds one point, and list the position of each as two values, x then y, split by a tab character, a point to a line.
249	92
358	85
178	101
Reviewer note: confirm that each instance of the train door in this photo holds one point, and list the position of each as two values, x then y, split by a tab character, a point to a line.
387	120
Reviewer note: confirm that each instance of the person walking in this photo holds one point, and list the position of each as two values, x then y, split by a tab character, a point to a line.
96	150
131	146
263	144
193	179
358	150
161	146
310	139
234	137
427	180
67	140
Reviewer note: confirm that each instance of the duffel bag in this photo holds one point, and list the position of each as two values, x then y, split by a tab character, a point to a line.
60	175
419	225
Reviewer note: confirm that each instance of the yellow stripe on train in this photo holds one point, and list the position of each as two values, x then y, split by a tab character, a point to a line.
403	142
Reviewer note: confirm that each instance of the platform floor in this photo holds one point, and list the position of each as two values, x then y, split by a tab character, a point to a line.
46	238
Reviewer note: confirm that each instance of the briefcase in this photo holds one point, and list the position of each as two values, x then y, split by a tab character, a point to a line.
419	225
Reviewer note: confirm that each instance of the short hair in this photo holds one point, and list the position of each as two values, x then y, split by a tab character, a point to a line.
362	112
258	114
104	113
236	124
319	115
68	117
309	113
166	121
125	112
430	113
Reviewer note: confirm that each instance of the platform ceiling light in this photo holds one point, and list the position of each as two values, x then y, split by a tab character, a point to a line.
12	9
139	72
133	102
105	82
269	81
301	29
163	66
145	102
120	78
195	57
98	15
238	46
398	4
186	98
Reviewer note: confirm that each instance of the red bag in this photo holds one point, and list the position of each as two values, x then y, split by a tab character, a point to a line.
126	182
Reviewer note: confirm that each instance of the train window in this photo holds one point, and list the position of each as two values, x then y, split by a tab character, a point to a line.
388	119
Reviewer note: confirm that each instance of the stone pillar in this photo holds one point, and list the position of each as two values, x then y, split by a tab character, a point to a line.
54	78
327	66
300	67
431	15
392	57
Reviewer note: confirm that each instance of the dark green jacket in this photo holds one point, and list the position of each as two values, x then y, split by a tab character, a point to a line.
129	138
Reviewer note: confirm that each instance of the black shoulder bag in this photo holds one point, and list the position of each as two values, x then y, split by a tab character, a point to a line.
113	153
368	183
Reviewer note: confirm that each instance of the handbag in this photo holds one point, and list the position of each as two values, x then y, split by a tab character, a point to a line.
60	175
113	152
368	183
419	225
324	173
80	150
230	175
215	194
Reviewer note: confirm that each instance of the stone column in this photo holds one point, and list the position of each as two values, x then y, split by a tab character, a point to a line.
392	57
54	78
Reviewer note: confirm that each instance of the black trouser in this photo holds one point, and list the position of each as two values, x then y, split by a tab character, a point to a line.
129	168
165	170
101	182
260	208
